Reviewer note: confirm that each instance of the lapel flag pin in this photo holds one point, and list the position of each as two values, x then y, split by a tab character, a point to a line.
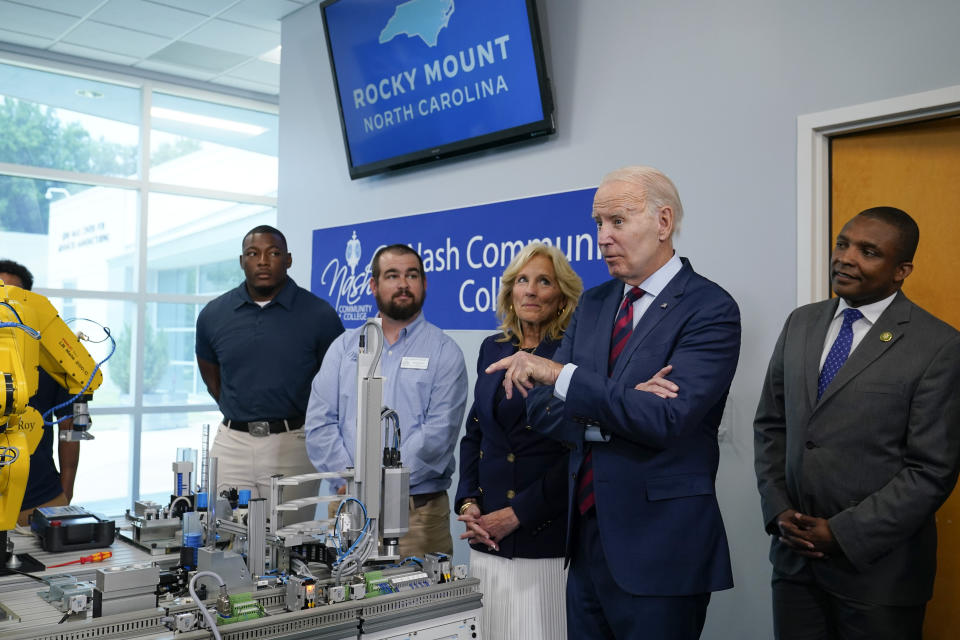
886	336
663	306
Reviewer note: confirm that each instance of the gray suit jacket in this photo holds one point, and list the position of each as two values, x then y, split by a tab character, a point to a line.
877	455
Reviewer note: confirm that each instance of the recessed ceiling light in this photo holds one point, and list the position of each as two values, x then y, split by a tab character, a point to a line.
272	56
89	93
206	121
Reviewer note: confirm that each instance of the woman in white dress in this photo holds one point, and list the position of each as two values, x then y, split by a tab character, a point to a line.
512	495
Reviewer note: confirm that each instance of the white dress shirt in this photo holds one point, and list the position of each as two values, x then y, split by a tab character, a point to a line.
871	313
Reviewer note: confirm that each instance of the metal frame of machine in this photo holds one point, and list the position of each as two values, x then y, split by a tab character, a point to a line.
328	578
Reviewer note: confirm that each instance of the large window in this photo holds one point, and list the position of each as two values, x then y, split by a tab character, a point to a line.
128	201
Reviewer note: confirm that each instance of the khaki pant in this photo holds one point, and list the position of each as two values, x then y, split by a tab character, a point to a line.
429	527
247	462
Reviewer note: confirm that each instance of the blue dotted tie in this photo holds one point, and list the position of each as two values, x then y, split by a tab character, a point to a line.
839	351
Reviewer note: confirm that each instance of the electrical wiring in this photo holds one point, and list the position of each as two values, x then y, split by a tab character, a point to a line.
33	333
113	347
8	455
15	314
350	561
84	336
203	608
386	413
336	525
413	559
376	356
366	520
301	567
353	561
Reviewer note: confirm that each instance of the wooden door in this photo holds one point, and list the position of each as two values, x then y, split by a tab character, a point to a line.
915	167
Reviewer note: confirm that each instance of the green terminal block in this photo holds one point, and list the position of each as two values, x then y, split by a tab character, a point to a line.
242	607
376	583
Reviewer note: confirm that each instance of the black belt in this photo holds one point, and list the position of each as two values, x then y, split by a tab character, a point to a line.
261	428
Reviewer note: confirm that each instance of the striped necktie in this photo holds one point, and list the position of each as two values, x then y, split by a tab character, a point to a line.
622	330
623	326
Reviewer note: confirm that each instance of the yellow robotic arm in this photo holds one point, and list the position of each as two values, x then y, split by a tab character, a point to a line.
31	335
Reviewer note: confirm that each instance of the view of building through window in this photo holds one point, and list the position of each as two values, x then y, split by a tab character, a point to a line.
136	242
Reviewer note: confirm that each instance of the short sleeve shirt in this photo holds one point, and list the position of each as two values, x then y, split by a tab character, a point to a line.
267	355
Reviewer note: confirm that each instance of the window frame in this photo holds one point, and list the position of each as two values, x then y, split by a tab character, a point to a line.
140	297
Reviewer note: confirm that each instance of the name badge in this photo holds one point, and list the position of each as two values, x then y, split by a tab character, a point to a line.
413	362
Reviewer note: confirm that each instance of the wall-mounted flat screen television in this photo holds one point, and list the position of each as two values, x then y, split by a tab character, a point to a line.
420	80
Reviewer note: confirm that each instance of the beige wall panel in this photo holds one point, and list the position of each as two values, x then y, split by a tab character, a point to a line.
915	167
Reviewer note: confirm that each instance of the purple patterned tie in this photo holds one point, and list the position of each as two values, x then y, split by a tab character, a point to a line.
839	352
622	330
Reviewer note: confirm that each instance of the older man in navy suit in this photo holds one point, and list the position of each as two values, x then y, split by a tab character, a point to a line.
647	544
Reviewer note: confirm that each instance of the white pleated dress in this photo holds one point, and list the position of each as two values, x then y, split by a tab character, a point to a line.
523	598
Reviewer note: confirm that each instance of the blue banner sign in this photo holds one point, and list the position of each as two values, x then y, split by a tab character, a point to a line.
464	254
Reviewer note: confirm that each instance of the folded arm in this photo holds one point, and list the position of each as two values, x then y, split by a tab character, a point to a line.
704	359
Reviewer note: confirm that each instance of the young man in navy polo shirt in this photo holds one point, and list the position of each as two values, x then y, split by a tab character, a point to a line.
258	348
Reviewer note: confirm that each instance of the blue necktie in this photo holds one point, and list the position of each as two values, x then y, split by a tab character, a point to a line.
839	351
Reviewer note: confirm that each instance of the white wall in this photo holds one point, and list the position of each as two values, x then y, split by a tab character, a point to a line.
707	91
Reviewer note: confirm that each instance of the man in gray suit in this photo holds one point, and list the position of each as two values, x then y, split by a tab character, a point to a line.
857	440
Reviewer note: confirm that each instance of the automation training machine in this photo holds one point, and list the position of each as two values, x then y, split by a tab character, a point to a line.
228	566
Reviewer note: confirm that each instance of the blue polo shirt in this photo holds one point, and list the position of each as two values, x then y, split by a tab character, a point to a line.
267	355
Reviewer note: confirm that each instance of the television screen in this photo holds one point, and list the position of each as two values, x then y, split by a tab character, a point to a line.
419	80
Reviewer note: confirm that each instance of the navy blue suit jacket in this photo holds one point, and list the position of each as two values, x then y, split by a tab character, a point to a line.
503	462
657	511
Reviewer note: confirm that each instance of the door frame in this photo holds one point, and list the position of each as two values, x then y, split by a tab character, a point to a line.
814	131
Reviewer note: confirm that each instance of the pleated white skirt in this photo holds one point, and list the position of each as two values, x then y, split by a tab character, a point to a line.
523	598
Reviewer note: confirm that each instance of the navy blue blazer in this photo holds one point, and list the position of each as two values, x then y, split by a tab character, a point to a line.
657	511
504	462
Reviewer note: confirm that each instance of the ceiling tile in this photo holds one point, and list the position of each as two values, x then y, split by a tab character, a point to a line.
206	7
175	69
186	54
93	54
265	14
147	17
34	22
24	39
247	84
238	38
69	7
258	71
124	41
